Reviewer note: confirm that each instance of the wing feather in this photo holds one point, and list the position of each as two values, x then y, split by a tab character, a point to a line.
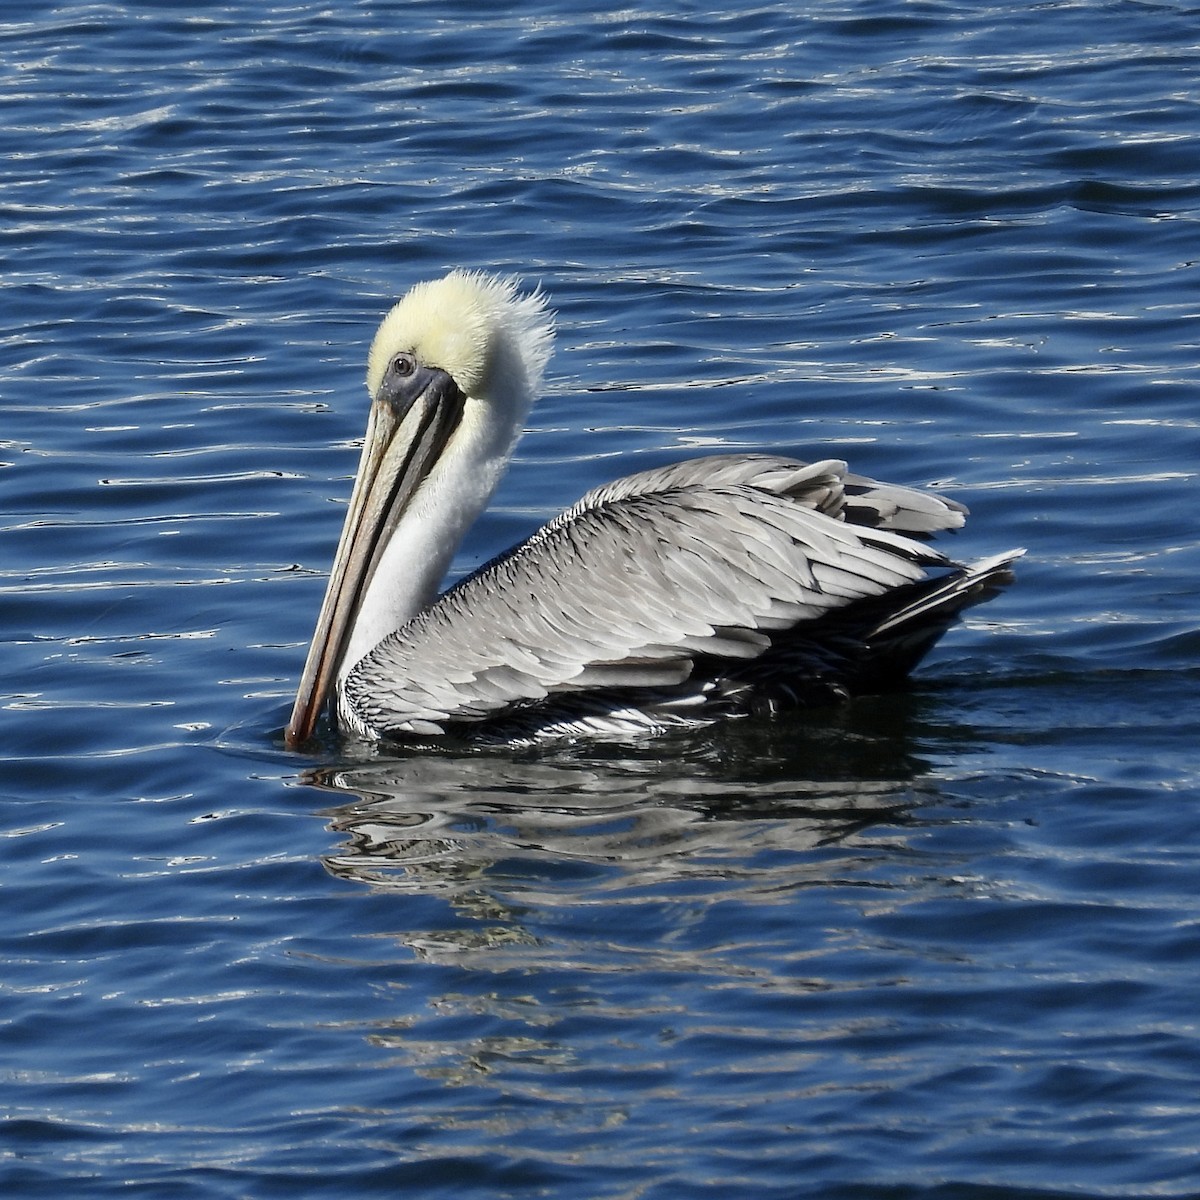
705	557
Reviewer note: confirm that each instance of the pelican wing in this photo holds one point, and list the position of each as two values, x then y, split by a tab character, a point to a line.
708	557
859	500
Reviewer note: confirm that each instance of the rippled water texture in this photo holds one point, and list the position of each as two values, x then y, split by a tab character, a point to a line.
938	946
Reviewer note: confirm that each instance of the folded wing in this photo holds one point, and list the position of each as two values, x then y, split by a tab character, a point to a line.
713	557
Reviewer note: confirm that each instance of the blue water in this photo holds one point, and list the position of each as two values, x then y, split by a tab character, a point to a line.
940	946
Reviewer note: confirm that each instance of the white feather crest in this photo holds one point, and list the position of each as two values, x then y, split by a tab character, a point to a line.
478	327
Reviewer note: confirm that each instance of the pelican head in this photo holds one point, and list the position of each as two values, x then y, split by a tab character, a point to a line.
452	372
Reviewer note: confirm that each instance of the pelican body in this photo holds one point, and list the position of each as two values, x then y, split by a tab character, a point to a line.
715	587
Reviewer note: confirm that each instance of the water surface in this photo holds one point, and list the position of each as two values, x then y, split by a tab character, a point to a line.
939	945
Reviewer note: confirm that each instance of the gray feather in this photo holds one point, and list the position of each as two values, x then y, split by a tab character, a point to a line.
727	558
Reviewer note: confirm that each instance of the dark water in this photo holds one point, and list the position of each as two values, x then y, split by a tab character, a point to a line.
944	945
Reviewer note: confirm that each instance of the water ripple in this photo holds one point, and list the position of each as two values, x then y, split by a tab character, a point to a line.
939	945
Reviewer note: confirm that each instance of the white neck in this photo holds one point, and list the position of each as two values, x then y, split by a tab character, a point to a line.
417	556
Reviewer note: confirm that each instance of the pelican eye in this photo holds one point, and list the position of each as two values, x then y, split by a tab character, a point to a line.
403	365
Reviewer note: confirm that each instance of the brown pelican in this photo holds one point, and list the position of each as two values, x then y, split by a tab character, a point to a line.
718	586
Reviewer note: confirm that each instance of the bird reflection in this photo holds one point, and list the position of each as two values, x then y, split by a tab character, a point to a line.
780	803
